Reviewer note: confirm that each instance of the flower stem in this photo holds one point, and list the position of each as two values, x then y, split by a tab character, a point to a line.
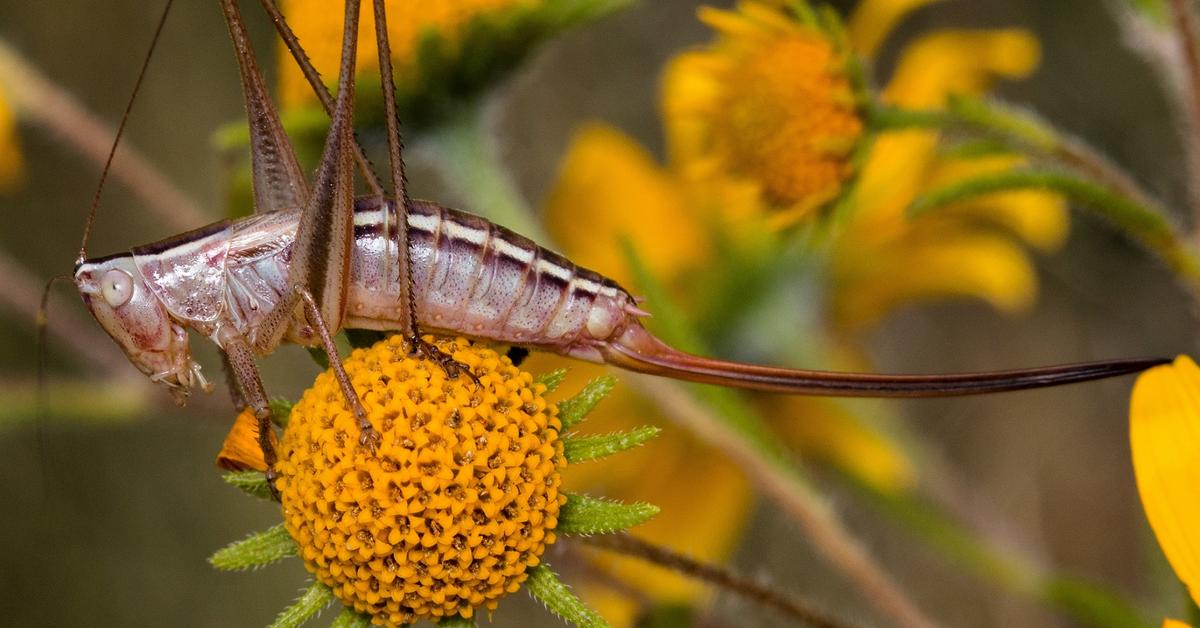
716	575
1184	21
37	99
792	494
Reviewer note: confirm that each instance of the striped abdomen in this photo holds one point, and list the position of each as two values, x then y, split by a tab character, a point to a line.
473	277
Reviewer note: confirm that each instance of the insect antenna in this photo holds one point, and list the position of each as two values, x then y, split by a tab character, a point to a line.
39	361
91	218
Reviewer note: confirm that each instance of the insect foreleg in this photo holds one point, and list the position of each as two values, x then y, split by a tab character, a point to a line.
244	370
368	436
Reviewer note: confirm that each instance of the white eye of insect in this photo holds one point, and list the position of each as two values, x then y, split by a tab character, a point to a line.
117	287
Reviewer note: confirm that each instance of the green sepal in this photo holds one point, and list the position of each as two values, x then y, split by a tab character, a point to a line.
308	605
349	618
281	411
318	355
359	338
572	411
457	621
256	550
545	587
584	448
253	483
588	515
551	380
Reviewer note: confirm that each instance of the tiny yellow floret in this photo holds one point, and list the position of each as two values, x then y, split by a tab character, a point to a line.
459	500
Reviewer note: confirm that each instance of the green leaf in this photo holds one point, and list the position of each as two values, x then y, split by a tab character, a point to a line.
457	621
572	411
587	515
584	448
310	603
551	380
256	550
349	618
253	483
544	585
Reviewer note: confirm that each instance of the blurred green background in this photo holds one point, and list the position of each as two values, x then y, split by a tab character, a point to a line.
108	522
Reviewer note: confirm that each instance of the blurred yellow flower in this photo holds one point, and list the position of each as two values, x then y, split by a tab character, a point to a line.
883	258
1164	434
12	166
408	21
609	189
769	105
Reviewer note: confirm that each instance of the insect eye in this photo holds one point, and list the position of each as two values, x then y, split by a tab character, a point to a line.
117	287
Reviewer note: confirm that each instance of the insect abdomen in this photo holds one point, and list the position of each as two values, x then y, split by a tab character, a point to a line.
474	277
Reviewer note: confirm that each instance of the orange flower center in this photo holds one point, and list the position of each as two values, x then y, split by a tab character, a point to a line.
789	119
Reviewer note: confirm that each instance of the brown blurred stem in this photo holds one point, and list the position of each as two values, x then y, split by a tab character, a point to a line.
37	99
22	294
1184	20
716	575
799	501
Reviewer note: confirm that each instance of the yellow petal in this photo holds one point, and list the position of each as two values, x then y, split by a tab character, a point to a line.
1164	433
871	283
959	62
610	189
1175	623
241	451
874	20
12	166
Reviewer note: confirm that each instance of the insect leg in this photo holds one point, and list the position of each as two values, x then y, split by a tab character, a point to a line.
244	371
314	80
278	180
231	383
368	436
408	325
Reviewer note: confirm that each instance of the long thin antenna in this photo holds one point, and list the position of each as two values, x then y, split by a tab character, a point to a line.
87	226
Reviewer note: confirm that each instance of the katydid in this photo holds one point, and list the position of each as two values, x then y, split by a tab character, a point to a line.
313	260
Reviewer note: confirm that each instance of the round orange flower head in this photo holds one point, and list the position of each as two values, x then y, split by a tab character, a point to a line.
771	106
457	503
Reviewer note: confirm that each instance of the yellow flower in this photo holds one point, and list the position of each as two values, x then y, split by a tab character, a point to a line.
609	189
770	104
884	258
461	498
12	166
1164	434
408	21
880	259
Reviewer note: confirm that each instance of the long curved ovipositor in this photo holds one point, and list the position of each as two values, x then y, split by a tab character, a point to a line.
639	351
470	277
